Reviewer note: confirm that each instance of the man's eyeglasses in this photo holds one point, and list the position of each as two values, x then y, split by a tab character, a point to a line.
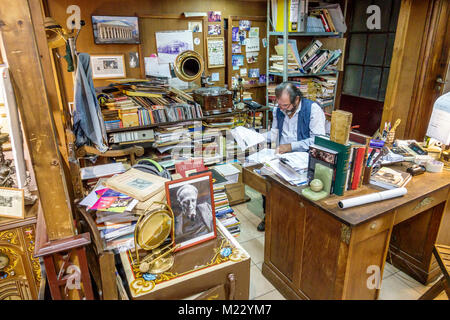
284	106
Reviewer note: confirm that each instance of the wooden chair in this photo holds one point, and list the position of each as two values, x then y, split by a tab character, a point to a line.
442	255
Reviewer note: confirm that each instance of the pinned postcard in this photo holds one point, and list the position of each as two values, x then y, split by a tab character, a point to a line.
253	73
243	72
237	60
214	16
242	36
252	57
252	44
244	25
215	76
262	78
214	29
264	42
235	34
195	26
254	32
236	48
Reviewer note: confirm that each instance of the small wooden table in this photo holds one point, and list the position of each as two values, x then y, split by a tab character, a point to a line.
314	250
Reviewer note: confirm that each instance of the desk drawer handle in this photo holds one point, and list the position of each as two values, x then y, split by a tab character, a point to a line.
424	202
373	226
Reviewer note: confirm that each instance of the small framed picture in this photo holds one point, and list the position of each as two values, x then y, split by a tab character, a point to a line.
115	29
108	66
12	204
192	203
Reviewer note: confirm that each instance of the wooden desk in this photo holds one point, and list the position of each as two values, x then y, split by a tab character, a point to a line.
314	250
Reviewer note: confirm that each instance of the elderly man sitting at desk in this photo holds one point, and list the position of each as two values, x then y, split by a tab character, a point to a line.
296	121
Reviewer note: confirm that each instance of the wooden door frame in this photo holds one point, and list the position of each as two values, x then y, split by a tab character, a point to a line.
421	106
410	68
26	53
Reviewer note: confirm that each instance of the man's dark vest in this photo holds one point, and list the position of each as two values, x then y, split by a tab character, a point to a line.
304	117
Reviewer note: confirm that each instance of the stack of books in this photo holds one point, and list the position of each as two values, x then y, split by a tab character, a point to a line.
258	117
315	59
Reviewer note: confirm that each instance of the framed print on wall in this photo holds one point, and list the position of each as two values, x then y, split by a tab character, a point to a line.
109	66
115	29
192	203
12	204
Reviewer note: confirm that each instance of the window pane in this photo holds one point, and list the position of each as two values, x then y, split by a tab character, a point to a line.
360	15
394	16
352	80
389	49
370	82
385	6
357	48
383	86
375	49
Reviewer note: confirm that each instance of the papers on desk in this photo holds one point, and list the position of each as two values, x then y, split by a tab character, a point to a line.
246	138
262	156
287	173
296	160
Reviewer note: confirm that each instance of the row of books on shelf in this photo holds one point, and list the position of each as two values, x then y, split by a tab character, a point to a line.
319	89
314	59
306	16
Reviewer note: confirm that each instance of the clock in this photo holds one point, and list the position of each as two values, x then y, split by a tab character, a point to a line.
4	261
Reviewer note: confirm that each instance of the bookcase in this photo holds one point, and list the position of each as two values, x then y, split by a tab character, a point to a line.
330	40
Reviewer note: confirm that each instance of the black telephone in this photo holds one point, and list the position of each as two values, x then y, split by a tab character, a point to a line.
253	105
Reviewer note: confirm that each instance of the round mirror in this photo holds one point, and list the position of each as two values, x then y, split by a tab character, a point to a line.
153	230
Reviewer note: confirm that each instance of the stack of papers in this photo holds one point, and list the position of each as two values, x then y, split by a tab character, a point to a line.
101	170
246	138
262	156
287	173
296	160
230	172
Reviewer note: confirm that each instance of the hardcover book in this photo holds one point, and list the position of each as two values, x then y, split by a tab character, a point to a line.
323	156
342	161
137	184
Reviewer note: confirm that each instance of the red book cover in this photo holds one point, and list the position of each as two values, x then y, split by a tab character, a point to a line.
358	167
324	21
192	165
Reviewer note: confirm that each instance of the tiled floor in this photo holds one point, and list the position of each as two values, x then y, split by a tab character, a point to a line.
396	285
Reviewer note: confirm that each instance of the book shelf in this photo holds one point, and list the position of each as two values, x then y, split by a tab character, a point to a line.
285	75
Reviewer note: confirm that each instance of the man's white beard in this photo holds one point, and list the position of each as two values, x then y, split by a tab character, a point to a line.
190	213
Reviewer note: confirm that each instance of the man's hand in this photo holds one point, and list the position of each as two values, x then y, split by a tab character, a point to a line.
284	148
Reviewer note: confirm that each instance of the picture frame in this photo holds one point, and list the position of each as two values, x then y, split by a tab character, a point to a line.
192	203
115	29
12	203
108	66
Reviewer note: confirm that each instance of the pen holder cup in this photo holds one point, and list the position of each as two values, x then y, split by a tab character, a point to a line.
367	174
390	138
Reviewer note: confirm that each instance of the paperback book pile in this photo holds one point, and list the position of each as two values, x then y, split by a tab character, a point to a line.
389	178
316	59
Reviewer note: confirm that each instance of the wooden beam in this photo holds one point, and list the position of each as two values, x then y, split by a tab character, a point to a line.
20	39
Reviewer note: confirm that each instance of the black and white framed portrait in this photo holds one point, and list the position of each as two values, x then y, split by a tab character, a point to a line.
191	200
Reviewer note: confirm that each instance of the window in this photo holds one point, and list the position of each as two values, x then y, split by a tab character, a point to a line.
370	51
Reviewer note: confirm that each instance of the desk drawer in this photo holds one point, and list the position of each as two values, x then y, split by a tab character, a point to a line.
254	180
372	227
424	203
